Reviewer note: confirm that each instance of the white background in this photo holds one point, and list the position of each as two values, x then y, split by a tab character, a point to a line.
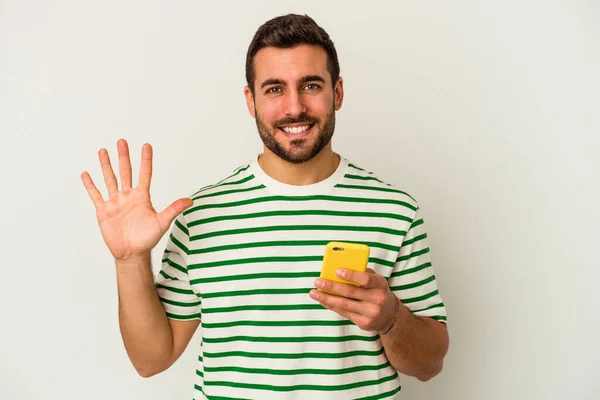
486	112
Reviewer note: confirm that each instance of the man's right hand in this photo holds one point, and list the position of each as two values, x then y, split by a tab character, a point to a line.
130	226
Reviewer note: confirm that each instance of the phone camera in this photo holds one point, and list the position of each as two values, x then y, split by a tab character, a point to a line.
338	249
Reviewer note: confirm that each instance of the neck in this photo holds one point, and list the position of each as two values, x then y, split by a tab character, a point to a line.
322	166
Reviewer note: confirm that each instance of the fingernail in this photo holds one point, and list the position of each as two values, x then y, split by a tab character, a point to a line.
341	273
319	283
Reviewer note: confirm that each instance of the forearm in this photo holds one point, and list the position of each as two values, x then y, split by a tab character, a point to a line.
144	325
416	346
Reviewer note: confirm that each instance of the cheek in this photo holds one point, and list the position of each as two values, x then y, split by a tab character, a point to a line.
269	112
318	106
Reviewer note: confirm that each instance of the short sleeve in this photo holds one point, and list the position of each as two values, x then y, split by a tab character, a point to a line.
413	279
172	281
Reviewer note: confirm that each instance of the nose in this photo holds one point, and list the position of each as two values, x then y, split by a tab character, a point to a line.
294	104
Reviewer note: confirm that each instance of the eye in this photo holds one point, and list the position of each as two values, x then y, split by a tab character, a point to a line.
312	86
273	89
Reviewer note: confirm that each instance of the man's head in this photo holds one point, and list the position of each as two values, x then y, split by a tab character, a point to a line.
293	80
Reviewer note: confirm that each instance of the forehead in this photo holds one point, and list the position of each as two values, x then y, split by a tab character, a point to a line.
290	64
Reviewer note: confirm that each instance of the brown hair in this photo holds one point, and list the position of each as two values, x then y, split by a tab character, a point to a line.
289	31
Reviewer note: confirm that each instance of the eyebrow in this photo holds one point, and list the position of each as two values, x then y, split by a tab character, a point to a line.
307	78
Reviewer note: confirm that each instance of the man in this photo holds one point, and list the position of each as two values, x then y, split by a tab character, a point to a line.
245	255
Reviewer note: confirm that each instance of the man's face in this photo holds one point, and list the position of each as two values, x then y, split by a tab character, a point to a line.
294	102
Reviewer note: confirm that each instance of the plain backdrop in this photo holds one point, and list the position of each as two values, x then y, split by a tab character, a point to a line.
486	112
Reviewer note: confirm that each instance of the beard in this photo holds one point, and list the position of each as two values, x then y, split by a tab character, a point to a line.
299	152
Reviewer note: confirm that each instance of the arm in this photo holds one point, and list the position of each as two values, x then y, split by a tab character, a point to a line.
415	345
131	228
153	341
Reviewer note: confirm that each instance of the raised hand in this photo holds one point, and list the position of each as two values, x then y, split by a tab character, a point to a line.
129	224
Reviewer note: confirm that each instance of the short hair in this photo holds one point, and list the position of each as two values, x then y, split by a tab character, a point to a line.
288	31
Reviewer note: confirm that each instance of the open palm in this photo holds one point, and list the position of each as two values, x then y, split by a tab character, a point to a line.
129	223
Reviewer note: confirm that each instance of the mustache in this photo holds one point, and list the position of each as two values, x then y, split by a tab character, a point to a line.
299	118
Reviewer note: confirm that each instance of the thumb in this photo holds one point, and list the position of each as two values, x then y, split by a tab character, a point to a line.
166	217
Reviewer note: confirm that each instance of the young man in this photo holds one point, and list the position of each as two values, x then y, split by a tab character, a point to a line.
245	255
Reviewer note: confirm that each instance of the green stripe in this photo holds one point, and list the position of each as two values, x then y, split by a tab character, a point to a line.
174	290
293	355
410	270
374	188
182	228
420	298
415	254
179	244
209	397
276	323
282	213
235	173
301	339
351	228
327	388
283	307
382	395
175	265
243	190
416	223
267	275
413	240
183	317
286	243
413	285
270	275
180	304
371	173
300	198
256	260
439	318
256	291
302	371
363	178
167	276
381	262
428	308
240	169
359	168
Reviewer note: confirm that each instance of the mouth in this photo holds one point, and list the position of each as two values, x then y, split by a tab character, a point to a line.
297	130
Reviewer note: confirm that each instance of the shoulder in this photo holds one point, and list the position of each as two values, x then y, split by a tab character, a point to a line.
238	180
359	178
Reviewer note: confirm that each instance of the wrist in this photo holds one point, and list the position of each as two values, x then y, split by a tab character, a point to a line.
391	321
140	259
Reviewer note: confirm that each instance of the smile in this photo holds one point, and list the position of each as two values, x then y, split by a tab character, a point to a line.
294	130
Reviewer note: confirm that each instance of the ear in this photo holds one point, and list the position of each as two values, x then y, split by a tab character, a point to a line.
338	93
249	101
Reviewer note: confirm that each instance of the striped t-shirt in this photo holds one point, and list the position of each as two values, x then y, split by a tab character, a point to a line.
243	259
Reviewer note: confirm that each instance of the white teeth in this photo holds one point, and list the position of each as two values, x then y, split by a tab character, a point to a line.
298	129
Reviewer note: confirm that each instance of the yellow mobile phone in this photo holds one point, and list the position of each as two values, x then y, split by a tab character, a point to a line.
352	256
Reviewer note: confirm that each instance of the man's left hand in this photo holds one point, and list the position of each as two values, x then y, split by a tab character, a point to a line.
371	306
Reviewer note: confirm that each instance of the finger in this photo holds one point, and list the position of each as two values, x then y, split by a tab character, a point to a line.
109	176
167	216
339	302
145	167
354	317
124	164
343	289
91	189
346	312
364	279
